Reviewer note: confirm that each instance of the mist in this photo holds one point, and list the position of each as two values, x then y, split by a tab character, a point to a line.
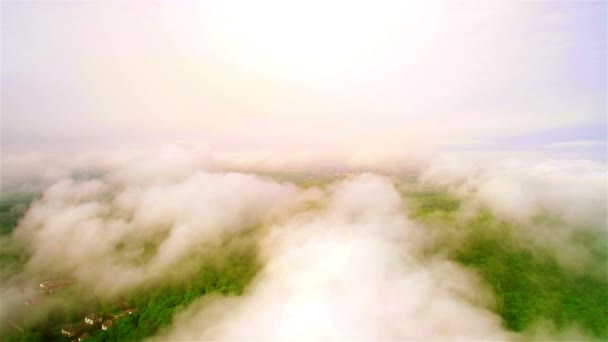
347	257
350	271
270	170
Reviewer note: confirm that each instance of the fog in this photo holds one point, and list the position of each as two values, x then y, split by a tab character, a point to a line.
519	188
350	271
341	260
77	222
371	84
548	202
379	170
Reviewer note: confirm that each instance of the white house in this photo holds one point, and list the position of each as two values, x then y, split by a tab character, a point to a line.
92	319
106	325
69	331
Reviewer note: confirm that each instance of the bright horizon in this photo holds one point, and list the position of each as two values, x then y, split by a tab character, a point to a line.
350	84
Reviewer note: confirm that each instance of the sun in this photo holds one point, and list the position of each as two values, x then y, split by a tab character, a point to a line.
323	41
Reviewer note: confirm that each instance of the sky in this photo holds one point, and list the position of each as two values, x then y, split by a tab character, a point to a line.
307	84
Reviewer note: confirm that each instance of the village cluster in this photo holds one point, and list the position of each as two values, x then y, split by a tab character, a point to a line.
92	321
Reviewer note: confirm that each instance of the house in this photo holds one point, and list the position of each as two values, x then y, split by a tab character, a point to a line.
51	286
92	318
69	330
83	336
106	325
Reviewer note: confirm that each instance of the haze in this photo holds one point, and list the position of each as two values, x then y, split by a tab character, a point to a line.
318	170
300	85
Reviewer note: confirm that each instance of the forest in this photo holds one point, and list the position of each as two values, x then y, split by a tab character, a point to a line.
529	284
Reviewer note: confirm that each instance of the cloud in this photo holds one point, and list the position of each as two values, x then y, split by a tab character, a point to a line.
349	271
341	261
515	188
92	229
35	171
547	201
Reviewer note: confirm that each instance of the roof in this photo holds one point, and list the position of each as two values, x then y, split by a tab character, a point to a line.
69	327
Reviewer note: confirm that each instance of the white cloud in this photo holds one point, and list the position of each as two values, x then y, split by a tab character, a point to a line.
546	201
350	271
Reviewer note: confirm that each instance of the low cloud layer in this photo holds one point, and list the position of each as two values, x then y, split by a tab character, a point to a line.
515	188
549	202
351	271
341	261
108	222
